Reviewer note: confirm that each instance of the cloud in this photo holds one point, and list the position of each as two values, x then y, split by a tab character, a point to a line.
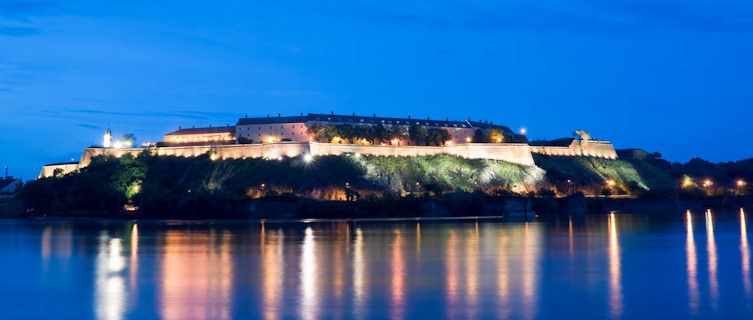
88	126
586	16
697	16
186	114
19	31
24	9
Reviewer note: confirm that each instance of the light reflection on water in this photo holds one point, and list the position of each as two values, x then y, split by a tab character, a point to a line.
396	270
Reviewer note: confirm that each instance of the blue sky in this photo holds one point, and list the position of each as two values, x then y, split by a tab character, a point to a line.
668	76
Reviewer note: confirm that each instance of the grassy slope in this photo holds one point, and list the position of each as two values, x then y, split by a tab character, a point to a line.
448	173
595	171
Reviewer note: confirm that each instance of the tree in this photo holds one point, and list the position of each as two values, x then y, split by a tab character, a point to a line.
128	140
437	136
418	133
494	135
478	136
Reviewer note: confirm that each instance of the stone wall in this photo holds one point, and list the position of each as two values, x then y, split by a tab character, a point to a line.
49	170
519	153
590	148
510	152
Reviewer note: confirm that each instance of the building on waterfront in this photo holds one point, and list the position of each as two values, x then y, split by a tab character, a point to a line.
201	136
277	137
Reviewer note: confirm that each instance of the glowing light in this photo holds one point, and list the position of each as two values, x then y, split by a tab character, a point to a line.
336	139
449	142
468	139
358	155
707	183
611	183
615	273
523	130
499	140
136	188
740	183
213	157
395	141
711	251
687	182
692	263
308	157
107	139
308	270
117	144
271	139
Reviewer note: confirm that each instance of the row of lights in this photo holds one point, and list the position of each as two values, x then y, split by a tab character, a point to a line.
687	182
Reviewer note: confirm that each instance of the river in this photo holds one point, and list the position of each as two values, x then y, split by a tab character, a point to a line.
618	266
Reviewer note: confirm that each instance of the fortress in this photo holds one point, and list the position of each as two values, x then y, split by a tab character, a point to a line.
276	137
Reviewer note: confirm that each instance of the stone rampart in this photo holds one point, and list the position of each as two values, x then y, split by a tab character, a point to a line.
49	170
519	153
510	152
590	148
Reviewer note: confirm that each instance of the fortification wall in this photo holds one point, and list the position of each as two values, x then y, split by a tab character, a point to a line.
237	151
599	149
510	152
49	170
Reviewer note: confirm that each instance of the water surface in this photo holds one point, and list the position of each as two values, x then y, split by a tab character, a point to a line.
694	265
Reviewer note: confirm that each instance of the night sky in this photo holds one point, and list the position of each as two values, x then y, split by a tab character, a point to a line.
668	76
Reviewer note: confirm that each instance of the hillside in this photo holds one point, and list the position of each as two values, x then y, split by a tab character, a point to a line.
162	184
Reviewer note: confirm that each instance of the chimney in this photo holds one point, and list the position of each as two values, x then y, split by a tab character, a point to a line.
267	115
375	115
301	114
428	118
210	125
408	117
278	115
193	126
6	172
332	113
447	119
246	115
354	114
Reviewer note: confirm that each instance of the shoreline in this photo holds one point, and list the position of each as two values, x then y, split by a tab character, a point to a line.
430	209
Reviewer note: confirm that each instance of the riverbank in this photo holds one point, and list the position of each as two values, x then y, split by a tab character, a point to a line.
353	186
456	206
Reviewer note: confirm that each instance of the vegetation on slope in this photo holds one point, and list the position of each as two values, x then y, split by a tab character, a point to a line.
200	185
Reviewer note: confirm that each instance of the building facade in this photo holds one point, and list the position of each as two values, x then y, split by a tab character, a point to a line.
201	136
295	128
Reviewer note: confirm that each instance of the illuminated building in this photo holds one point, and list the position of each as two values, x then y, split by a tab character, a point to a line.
201	136
107	143
295	128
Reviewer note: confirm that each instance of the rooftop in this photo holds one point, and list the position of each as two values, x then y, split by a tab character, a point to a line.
373	119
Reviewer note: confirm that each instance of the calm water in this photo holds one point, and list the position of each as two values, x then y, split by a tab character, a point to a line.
621	266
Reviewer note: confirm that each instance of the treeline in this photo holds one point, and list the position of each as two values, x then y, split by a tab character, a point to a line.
346	133
416	135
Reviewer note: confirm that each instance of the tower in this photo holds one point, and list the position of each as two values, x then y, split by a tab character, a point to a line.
108	139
